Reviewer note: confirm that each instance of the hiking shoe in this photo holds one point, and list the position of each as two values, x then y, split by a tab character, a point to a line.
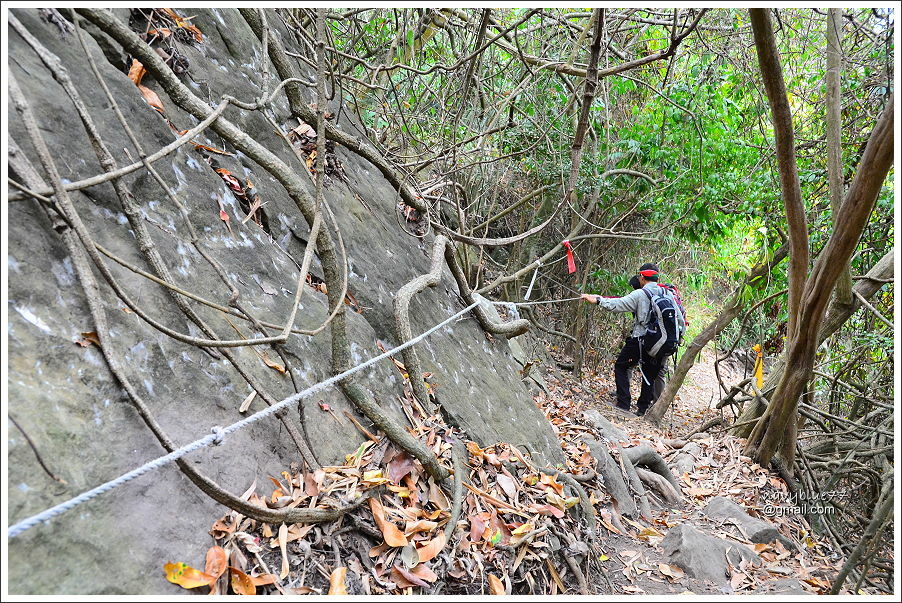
640	411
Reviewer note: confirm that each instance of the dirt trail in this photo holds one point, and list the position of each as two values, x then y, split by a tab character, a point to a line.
529	529
636	561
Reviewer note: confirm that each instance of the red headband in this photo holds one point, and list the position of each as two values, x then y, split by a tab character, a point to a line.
648	272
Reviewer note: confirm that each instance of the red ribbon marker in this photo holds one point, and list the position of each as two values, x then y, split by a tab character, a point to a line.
571	262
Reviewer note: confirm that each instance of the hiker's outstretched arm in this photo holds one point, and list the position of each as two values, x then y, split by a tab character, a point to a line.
627	303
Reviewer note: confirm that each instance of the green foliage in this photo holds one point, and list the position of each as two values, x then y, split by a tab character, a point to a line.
698	123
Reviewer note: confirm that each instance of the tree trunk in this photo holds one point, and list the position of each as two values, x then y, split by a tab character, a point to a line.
772	74
730	311
582	126
776	428
834	124
836	318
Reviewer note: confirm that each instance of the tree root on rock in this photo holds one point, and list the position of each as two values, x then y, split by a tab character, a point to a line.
458	454
80	245
645	456
660	484
612	477
296	190
635	483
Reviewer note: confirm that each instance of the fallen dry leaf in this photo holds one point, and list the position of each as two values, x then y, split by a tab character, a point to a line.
422	525
263	579
222	527
186	576
550	481
217	561
671	571
273	365
162	31
496	586
432	548
507	484
546	510
183	22
374	478
136	72
737	580
393	536
650	535
88	338
241	582
247	401
405	578
151	97
283	542
699	492
337	581
205	147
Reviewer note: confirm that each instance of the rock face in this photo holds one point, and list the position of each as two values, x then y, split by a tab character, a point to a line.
754	529
77	415
702	556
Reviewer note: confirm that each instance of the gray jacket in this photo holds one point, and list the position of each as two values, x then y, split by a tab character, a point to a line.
638	303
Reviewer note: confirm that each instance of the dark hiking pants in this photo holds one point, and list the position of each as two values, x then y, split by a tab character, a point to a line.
628	359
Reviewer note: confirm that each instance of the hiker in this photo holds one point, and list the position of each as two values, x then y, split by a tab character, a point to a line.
650	342
661	379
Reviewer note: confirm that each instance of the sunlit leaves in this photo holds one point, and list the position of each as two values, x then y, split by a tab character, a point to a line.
187	576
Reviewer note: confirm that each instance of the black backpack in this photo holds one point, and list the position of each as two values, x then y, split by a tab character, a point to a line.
662	335
679	302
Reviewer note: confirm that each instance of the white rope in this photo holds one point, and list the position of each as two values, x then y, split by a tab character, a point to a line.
513	305
533	303
532	282
217	435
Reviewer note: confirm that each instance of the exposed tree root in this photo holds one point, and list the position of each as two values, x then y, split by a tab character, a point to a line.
645	456
612	478
297	191
635	483
77	241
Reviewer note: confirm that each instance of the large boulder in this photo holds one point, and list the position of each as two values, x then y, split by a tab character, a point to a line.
703	556
755	530
77	415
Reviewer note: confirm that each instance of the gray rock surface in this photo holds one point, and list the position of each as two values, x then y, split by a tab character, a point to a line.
527	360
703	556
787	586
752	528
63	394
